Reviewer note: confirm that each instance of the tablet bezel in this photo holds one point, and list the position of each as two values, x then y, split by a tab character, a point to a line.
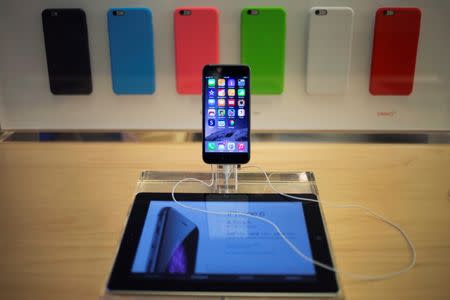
122	280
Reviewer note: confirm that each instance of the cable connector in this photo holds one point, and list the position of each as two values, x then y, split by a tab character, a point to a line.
226	178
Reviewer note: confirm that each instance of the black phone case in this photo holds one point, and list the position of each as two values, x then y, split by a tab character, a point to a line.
67	51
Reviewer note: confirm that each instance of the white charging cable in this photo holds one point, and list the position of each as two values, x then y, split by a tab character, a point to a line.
291	245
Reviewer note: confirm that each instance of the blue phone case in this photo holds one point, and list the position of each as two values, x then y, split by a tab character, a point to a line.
131	50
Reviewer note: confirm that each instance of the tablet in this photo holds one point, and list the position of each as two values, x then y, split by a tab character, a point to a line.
169	249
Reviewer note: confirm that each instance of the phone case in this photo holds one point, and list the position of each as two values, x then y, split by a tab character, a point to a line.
196	45
263	35
395	42
131	50
329	50
67	51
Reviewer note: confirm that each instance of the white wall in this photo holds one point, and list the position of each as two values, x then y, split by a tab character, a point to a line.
28	104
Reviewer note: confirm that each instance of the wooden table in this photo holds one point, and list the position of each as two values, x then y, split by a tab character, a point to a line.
62	208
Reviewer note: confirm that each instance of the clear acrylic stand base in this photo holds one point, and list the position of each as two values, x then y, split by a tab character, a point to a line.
229	179
233	180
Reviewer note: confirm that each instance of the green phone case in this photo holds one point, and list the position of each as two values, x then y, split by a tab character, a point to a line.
263	36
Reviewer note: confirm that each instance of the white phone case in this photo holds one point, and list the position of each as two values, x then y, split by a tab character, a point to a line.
329	50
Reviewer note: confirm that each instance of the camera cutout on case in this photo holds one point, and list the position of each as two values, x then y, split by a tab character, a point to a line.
321	12
118	13
185	12
253	12
388	12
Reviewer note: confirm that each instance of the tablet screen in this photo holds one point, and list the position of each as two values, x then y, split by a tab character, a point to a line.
178	240
167	247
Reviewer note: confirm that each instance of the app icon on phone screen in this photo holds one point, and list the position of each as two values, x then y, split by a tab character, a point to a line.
211	82
211	112
231	82
221	82
241	82
221	102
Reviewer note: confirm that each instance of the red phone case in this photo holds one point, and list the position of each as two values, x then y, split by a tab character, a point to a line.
394	51
196	45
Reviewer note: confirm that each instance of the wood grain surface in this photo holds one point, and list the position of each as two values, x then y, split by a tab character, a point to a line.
63	205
